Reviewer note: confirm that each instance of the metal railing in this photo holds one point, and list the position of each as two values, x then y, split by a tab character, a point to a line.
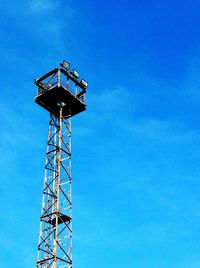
57	79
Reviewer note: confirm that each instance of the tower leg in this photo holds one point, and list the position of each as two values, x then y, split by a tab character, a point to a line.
55	238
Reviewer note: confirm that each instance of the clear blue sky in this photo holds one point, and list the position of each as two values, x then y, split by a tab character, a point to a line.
136	150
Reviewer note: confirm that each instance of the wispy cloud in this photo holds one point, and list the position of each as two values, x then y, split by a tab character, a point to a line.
43	24
163	130
41	6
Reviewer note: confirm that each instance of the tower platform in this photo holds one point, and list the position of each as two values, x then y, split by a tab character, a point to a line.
59	88
58	96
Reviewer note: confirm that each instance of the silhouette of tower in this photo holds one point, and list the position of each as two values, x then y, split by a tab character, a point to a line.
62	94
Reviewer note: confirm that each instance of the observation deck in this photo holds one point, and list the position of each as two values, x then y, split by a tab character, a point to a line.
60	89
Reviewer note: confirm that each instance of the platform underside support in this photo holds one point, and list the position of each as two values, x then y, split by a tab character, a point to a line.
55	238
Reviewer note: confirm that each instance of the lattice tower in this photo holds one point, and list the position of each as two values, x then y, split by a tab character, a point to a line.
62	101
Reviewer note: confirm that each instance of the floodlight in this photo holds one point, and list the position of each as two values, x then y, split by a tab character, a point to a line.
84	83
61	104
75	74
65	65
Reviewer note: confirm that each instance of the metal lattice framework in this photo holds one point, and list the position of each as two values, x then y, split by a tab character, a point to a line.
63	95
55	239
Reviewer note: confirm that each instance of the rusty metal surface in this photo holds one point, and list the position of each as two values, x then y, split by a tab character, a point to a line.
55	238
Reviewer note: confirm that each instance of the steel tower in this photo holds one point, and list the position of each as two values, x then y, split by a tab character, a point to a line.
62	94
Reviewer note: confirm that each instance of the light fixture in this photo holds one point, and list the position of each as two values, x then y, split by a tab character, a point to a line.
65	65
75	74
61	104
84	83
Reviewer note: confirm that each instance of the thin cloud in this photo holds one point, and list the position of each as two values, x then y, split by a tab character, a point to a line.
41	6
163	130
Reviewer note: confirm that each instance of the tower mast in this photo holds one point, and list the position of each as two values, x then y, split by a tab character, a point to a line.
60	93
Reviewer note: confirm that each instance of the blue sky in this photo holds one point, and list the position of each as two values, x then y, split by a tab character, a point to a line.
136	171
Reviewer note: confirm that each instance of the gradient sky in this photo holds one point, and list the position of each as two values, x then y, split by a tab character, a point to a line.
136	150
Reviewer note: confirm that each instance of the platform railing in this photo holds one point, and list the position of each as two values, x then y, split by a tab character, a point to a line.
56	79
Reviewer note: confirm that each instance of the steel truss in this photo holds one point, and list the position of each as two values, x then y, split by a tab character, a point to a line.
55	238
